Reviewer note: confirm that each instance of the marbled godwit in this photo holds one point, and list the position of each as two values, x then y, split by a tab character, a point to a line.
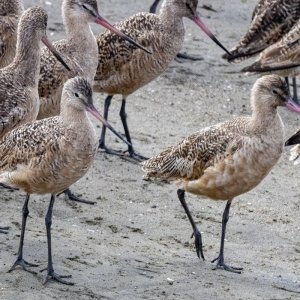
152	10
123	69
49	155
81	45
282	58
19	101
230	158
19	80
271	20
10	12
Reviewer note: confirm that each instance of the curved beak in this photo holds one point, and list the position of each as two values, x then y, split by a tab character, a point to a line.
292	105
199	22
92	110
107	25
54	52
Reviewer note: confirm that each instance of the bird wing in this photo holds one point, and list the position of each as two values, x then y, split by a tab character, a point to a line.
274	20
14	107
190	158
283	54
8	25
115	52
29	143
52	73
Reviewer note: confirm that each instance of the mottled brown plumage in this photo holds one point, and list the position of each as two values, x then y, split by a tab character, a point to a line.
282	58
122	69
10	12
47	156
80	47
230	158
19	101
271	20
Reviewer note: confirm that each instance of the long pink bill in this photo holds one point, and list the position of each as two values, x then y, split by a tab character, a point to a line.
293	106
199	22
92	110
110	27
54	52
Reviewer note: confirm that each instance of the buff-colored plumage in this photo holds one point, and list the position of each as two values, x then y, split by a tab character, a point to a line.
19	101
122	69
47	156
79	46
282	58
10	12
228	159
271	20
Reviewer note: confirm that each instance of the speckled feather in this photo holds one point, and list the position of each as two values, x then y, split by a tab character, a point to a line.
230	158
47	156
122	68
189	159
19	100
10	12
282	58
79	50
270	23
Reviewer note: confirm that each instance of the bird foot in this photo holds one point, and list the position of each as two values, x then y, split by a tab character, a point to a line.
72	197
56	277
136	156
198	243
221	265
4	230
128	153
23	264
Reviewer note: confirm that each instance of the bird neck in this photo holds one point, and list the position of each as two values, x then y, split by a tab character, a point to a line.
264	118
26	63
171	17
77	29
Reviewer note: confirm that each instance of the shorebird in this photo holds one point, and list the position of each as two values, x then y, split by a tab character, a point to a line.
10	12
282	58
122	69
271	20
228	159
47	156
81	46
152	10
19	101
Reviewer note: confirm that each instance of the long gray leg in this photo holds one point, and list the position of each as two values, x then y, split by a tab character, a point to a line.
50	270
123	117
196	232
220	258
20	261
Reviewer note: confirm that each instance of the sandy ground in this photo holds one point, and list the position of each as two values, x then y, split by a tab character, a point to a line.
137	236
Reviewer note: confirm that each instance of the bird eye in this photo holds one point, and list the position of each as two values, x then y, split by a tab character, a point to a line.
83	6
76	95
274	92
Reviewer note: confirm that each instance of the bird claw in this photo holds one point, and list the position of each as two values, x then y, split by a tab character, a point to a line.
136	156
72	197
198	243
221	265
59	278
23	264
